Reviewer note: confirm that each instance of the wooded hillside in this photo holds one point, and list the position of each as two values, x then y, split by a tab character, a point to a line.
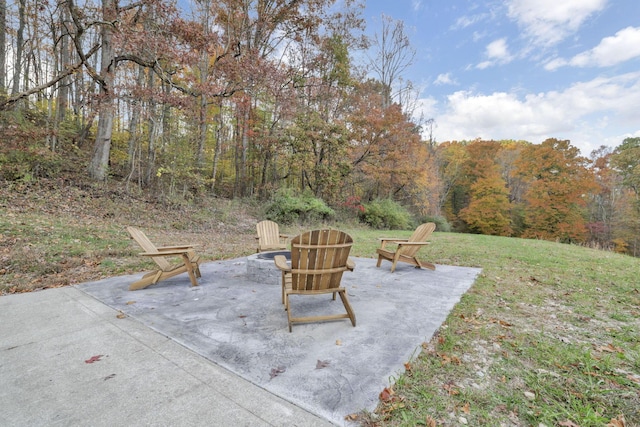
241	99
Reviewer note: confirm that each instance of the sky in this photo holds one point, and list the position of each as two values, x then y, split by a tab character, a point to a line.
523	69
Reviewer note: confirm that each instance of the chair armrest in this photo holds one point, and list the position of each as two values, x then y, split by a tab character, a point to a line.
281	263
385	240
165	253
174	248
350	264
392	239
414	243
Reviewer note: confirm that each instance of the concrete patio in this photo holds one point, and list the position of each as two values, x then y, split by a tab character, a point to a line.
216	354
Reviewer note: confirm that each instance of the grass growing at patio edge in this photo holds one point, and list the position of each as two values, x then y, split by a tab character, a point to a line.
546	336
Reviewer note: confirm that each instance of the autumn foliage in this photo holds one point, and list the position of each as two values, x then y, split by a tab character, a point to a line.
244	98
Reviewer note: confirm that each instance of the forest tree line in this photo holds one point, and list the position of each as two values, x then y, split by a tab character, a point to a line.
240	98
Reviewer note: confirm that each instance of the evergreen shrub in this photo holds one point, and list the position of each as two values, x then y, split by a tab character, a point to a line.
285	207
386	214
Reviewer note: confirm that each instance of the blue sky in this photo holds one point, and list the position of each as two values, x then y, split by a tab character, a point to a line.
524	69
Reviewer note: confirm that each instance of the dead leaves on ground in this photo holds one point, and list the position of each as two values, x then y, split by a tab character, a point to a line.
390	400
609	348
619	421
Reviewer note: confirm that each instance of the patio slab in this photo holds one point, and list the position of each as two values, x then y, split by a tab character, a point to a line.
329	369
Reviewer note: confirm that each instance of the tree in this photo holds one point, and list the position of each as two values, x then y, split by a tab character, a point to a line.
3	47
393	55
558	182
489	209
625	160
319	155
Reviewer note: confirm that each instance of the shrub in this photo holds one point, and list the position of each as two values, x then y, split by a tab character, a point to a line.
287	208
29	164
441	223
385	213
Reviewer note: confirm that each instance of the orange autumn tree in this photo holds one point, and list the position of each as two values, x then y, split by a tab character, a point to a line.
388	157
558	181
481	191
488	211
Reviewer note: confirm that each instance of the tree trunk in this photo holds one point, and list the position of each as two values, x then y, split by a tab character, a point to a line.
135	120
3	48
102	147
19	48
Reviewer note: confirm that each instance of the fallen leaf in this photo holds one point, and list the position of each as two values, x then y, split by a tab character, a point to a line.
610	348
451	388
108	377
352	417
568	423
93	358
277	371
130	302
430	421
121	315
386	395
407	367
466	408
617	422
322	364
634	378
338	342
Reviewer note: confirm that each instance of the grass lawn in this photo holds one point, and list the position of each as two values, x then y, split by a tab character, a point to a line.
547	336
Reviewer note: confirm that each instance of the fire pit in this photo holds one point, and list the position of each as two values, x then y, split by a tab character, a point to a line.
261	268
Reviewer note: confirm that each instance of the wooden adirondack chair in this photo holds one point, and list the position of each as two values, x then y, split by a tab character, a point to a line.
318	259
407	248
269	237
159	255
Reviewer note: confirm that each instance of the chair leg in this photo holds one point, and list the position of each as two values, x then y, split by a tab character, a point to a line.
347	306
190	269
379	261
394	261
287	308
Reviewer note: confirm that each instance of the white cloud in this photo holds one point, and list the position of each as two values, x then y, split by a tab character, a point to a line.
611	50
498	49
625	45
568	114
468	20
547	22
444	79
497	52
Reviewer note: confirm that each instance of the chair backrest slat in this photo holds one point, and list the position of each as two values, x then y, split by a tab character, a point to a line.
421	234
318	259
268	233
148	247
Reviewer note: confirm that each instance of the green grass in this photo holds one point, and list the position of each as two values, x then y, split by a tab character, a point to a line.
547	335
